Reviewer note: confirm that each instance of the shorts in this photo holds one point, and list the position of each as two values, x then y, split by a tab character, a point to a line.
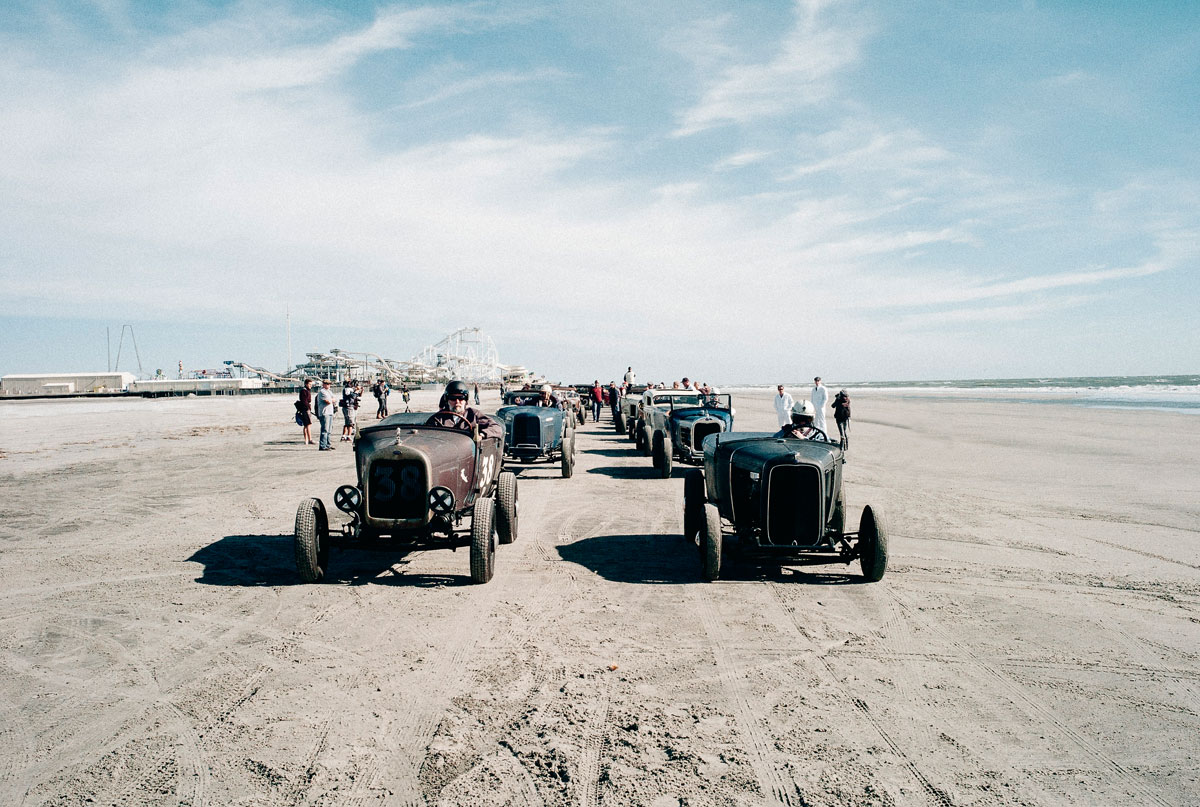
349	414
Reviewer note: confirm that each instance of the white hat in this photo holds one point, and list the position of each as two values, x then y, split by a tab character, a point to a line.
546	388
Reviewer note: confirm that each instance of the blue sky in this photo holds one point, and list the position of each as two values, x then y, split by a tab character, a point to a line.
740	192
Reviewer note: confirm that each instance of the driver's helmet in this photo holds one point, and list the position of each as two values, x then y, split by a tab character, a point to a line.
455	389
546	388
803	413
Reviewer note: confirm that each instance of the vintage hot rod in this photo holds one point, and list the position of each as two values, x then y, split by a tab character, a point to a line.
783	502
423	487
537	433
674	423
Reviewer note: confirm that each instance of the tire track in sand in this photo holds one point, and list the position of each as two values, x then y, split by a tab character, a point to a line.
1019	695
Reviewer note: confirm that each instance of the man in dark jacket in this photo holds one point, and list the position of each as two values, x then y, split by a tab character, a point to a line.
841	414
454	413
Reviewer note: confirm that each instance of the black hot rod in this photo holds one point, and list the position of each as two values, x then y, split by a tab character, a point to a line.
777	500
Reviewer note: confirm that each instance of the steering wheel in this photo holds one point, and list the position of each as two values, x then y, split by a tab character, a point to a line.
818	433
470	425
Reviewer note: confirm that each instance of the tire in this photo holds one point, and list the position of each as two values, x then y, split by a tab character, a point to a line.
507	507
667	463
694	497
567	461
662	455
619	422
710	547
312	540
643	442
631	424
873	543
656	450
483	540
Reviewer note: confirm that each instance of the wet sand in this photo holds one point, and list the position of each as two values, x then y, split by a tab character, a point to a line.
1036	639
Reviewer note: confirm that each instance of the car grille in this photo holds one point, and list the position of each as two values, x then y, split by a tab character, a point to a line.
527	430
702	430
396	489
794	506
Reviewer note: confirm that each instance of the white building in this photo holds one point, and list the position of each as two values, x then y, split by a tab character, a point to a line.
198	386
63	383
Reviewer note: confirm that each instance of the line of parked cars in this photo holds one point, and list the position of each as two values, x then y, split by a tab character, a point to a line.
752	495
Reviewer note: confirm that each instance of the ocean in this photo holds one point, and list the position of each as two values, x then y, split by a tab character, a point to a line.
1173	393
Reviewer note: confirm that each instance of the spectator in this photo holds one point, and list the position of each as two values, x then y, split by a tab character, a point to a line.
304	411
630	377
597	400
783	407
326	406
406	396
819	397
841	414
349	404
477	395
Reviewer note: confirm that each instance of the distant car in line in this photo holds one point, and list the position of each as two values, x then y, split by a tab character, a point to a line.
674	424
537	433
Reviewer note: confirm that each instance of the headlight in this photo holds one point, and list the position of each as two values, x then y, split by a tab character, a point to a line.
441	500
347	498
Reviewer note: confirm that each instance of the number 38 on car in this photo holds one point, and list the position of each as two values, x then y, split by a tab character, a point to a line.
420	486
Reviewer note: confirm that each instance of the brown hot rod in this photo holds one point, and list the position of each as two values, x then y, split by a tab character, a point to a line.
422	487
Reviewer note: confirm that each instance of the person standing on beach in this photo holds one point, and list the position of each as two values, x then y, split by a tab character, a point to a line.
630	377
783	407
597	400
349	404
477	395
841	414
384	392
405	396
819	397
304	410
326	406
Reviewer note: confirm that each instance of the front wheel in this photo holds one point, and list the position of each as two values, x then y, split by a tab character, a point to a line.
619	422
483	542
694	497
711	547
568	460
507	507
873	543
312	540
662	455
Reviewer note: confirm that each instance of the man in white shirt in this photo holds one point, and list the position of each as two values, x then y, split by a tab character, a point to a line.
630	377
820	396
783	407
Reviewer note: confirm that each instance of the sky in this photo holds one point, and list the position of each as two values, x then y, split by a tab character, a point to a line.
740	192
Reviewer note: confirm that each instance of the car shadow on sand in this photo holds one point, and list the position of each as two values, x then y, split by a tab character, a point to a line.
655	559
611	452
646	471
269	560
668	559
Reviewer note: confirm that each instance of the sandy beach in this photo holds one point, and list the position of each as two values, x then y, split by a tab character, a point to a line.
1036	640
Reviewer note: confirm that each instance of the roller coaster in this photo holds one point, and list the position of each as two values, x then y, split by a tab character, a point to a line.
467	354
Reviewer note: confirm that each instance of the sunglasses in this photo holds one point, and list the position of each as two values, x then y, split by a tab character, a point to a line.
456	397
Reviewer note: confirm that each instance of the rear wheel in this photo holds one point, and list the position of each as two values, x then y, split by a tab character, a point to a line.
873	543
507	507
312	540
644	441
619	422
693	504
662	455
567	460
710	557
483	541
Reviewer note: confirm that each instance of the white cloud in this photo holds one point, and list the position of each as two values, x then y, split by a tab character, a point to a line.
801	73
